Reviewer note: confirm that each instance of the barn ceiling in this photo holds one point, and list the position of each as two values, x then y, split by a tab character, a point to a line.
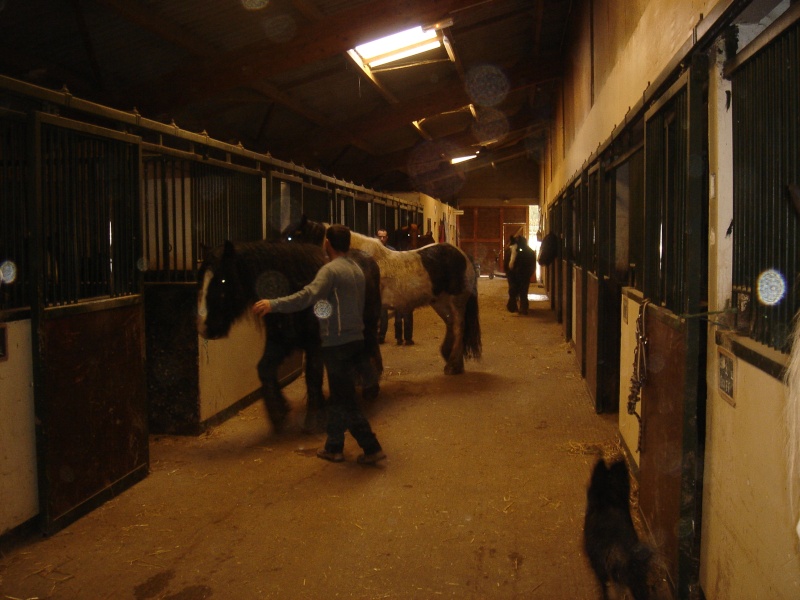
276	76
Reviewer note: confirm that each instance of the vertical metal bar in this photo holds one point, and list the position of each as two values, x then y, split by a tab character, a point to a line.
68	232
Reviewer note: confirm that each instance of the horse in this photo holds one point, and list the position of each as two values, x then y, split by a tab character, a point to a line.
409	238
439	275
233	276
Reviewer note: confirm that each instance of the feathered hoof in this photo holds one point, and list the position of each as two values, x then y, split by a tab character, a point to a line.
370	393
277	417
314	422
453	369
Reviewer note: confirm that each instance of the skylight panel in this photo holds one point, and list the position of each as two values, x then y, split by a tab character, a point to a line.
398	46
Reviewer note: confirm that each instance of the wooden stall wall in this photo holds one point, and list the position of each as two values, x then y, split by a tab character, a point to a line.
483	230
87	317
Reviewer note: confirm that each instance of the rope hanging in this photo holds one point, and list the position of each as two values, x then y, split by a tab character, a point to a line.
639	375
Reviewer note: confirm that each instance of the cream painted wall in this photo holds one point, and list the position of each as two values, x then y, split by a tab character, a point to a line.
227	369
432	209
19	496
749	548
664	27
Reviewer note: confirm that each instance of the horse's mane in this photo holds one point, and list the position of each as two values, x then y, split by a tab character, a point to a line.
299	263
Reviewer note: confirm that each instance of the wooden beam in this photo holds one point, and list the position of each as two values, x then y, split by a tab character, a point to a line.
172	33
318	40
441	99
370	76
151	20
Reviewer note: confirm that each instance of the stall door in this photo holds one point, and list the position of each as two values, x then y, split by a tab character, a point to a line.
675	283
87	317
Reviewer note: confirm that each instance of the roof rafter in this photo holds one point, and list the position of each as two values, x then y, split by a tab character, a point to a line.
317	40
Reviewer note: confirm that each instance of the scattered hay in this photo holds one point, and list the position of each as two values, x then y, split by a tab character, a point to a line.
609	450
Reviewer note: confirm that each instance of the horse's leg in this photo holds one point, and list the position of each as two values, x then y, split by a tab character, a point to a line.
274	400
315	405
452	347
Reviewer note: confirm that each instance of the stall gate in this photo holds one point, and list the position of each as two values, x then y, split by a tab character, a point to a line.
188	204
87	316
675	284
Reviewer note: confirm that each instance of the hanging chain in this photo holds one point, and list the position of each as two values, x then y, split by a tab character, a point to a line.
639	369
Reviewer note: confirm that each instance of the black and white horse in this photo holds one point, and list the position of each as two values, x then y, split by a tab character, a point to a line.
233	276
440	275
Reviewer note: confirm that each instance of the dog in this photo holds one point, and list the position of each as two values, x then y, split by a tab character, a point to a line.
617	556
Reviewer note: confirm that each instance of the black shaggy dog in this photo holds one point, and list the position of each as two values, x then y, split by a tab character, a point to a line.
610	540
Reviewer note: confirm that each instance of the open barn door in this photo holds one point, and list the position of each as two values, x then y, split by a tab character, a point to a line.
87	317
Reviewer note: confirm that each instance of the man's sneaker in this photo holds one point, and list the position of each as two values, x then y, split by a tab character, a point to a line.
331	456
371	459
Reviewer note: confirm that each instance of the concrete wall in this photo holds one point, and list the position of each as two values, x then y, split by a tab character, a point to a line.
228	367
19	496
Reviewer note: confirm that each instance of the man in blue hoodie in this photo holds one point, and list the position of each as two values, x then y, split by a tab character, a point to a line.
337	294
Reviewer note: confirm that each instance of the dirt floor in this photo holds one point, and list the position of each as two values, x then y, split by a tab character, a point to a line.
482	494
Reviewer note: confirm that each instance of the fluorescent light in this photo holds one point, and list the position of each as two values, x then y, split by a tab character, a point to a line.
397	46
460	159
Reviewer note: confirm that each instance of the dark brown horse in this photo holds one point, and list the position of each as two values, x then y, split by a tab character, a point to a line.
234	276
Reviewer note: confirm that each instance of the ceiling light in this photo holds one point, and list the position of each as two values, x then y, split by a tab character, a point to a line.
460	159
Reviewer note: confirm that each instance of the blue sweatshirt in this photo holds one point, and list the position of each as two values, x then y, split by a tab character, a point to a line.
340	283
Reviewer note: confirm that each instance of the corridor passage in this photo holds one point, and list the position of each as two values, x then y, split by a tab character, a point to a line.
482	495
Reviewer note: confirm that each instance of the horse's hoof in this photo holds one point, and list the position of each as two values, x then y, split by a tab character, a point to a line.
370	393
314	422
449	370
278	420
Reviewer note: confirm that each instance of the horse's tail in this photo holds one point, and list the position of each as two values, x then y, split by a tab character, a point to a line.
792	380
472	326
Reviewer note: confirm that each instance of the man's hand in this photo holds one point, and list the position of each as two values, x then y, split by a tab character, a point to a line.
262	307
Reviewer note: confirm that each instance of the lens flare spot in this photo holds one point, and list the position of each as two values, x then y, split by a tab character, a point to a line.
771	287
254	4
490	126
487	85
142	264
280	29
8	272
323	309
430	168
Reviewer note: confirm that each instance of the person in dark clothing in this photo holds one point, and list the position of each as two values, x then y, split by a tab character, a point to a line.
520	269
337	294
404	327
508	251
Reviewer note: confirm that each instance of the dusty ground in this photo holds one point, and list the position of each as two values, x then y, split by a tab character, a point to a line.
482	495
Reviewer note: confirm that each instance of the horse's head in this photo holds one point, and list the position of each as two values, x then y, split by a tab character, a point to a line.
221	299
305	231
